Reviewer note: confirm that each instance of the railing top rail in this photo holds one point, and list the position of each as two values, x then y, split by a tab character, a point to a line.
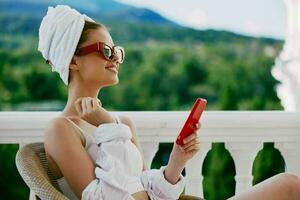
217	126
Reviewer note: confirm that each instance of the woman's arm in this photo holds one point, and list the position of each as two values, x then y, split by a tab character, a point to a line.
180	155
63	144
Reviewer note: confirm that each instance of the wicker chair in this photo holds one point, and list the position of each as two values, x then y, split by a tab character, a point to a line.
33	167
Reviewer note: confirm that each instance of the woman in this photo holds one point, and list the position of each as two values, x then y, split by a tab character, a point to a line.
70	139
94	154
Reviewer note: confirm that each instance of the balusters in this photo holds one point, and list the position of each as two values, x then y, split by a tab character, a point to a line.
291	154
243	155
193	171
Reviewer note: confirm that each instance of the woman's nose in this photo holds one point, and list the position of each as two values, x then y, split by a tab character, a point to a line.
115	58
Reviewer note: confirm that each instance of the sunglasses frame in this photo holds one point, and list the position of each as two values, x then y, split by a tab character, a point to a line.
99	47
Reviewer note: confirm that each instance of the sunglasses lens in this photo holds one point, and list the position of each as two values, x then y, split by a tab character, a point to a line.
107	52
119	51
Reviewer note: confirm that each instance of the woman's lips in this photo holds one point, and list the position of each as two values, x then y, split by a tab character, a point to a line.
112	68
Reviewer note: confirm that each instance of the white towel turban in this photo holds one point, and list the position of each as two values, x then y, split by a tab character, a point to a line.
59	34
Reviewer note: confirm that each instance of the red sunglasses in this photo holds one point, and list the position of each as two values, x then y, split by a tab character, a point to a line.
107	52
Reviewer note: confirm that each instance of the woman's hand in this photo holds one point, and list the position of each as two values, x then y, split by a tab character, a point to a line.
91	110
190	147
181	154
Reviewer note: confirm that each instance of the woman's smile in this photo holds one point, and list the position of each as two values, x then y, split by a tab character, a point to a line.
112	68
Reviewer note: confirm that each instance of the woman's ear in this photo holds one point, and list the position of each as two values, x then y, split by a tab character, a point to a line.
74	64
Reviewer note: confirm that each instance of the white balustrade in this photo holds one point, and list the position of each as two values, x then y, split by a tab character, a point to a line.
291	154
243	133
243	154
194	178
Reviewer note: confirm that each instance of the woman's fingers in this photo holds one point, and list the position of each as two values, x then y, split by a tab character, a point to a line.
190	137
194	147
78	105
89	105
86	105
78	108
83	106
197	125
191	143
95	104
78	100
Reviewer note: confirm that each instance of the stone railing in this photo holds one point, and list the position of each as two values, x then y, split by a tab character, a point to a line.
243	133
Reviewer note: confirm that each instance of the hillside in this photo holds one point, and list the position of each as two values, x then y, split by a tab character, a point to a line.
99	9
127	23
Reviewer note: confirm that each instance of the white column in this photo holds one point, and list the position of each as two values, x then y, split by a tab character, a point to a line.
243	155
193	171
291	154
287	65
149	150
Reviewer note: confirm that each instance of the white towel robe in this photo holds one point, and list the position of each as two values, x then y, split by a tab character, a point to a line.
119	169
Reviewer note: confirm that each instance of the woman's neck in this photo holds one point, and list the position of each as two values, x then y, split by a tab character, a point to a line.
75	92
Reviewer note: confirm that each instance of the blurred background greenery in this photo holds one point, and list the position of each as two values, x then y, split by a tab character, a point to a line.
167	67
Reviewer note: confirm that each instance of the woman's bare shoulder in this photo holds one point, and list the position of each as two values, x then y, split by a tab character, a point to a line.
56	126
64	146
127	120
60	130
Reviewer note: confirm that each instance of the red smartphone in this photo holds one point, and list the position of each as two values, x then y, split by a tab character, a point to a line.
193	118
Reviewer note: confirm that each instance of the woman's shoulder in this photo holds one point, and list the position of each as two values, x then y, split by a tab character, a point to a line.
59	130
64	148
127	121
58	125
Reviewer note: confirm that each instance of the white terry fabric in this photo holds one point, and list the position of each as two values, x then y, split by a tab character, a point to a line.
119	164
158	188
119	169
59	33
113	180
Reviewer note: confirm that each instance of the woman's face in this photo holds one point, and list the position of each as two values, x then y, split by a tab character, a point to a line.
94	68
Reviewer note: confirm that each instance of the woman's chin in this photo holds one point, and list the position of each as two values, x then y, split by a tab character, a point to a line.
116	81
112	83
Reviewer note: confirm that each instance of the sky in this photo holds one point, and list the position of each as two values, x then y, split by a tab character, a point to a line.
252	17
